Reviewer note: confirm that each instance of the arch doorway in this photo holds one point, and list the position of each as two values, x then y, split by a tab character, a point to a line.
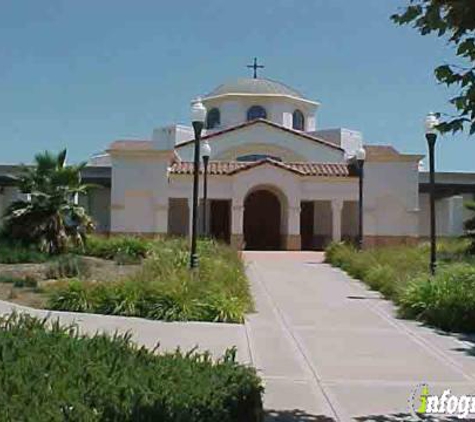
262	221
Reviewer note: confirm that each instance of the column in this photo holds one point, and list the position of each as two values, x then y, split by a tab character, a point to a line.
237	225
337	208
292	239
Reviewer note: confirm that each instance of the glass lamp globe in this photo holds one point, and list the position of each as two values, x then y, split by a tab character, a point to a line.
431	123
360	154
198	111
206	150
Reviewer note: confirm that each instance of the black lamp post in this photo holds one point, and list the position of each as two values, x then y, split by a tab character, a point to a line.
431	135
205	153
360	157
198	115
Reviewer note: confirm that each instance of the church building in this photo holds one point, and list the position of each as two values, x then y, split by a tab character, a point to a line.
275	180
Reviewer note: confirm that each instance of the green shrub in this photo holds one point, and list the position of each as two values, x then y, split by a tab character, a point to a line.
55	374
386	269
381	278
9	279
337	253
18	254
446	301
348	258
221	308
68	266
401	273
165	289
450	250
123	249
17	281
27	281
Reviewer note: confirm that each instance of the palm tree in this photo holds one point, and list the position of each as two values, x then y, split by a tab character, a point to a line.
49	217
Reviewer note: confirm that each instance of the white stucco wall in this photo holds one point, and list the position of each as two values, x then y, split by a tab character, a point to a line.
139	196
450	214
233	109
165	138
349	140
391	199
263	134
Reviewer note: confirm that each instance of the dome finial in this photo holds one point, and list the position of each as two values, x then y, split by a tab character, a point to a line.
255	66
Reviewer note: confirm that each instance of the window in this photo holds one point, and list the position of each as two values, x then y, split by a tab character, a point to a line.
298	121
213	118
256	112
257	157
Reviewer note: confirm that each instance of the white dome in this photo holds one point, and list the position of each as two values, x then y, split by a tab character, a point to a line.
255	86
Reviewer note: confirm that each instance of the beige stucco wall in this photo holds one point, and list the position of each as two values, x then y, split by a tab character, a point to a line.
391	199
233	109
450	214
349	219
139	196
285	154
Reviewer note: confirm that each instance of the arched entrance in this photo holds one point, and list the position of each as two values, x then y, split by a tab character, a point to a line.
262	215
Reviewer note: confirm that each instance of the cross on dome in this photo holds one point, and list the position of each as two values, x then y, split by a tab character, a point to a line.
255	66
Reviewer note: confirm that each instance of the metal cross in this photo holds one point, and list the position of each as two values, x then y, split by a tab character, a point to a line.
255	66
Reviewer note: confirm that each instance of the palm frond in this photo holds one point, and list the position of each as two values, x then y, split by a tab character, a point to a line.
51	218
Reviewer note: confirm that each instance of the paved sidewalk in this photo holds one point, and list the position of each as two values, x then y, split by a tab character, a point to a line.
169	335
329	349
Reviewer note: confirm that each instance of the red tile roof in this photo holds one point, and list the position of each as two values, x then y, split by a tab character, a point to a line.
229	168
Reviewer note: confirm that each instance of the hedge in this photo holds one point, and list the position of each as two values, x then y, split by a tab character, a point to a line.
164	288
445	301
52	373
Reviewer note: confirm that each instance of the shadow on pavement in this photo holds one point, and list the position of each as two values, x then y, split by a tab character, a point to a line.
469	341
301	416
295	415
400	417
360	297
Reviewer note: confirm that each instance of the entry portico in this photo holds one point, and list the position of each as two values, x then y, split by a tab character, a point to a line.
265	201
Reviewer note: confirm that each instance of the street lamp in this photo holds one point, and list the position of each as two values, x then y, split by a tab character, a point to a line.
431	123
198	115
360	159
205	153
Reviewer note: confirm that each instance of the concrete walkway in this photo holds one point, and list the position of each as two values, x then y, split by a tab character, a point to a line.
329	349
212	337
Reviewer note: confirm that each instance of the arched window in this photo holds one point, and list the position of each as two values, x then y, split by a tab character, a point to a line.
256	112
213	118
298	121
257	157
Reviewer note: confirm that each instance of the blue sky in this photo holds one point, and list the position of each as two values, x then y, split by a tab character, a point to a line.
79	74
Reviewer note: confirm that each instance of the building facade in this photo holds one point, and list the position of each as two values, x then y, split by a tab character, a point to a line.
275	180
